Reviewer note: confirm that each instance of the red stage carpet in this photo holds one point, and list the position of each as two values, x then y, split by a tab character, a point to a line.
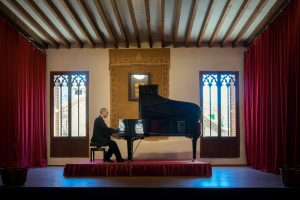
139	168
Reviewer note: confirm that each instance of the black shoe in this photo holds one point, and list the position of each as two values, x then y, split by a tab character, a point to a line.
108	160
121	160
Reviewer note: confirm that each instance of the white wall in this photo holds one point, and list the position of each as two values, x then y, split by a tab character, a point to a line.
184	86
95	61
184	82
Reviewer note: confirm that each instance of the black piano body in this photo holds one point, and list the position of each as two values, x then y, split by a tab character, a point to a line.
159	116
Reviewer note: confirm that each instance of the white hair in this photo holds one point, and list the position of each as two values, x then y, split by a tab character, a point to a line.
102	110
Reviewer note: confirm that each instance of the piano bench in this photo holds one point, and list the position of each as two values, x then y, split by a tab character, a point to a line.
94	148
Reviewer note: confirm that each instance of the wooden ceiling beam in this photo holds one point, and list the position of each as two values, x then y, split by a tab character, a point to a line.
235	22
205	22
63	21
25	30
252	17
42	30
190	22
177	20
162	23
118	17
278	5
148	19
47	21
106	23
34	23
92	21
133	20
67	5
220	23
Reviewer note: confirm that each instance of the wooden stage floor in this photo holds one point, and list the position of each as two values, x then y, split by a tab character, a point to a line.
225	182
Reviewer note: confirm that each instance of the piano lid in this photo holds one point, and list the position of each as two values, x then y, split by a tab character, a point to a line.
154	106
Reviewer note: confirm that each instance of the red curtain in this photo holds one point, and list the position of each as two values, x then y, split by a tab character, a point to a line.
22	116
272	94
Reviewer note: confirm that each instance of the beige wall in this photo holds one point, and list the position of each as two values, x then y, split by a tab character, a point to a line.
184	86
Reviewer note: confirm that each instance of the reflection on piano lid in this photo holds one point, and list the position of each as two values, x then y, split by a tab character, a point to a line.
121	126
132	127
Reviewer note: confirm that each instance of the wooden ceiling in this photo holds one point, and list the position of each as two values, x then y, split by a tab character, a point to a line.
140	23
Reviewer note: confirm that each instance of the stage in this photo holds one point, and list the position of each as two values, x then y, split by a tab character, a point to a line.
225	183
139	168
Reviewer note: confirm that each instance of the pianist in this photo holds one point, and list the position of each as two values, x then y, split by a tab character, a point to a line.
101	137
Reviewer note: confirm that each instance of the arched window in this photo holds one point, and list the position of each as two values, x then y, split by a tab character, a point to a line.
219	103
69	111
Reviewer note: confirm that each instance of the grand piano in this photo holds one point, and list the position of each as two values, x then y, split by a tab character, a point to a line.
159	116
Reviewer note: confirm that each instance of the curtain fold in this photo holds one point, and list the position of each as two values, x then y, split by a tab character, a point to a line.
22	118
271	68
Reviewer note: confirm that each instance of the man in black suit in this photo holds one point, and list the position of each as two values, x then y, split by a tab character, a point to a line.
101	137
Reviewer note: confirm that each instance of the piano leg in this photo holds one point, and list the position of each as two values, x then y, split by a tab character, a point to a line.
194	143
129	148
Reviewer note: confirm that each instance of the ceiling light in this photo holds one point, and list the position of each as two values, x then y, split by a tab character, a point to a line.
139	76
